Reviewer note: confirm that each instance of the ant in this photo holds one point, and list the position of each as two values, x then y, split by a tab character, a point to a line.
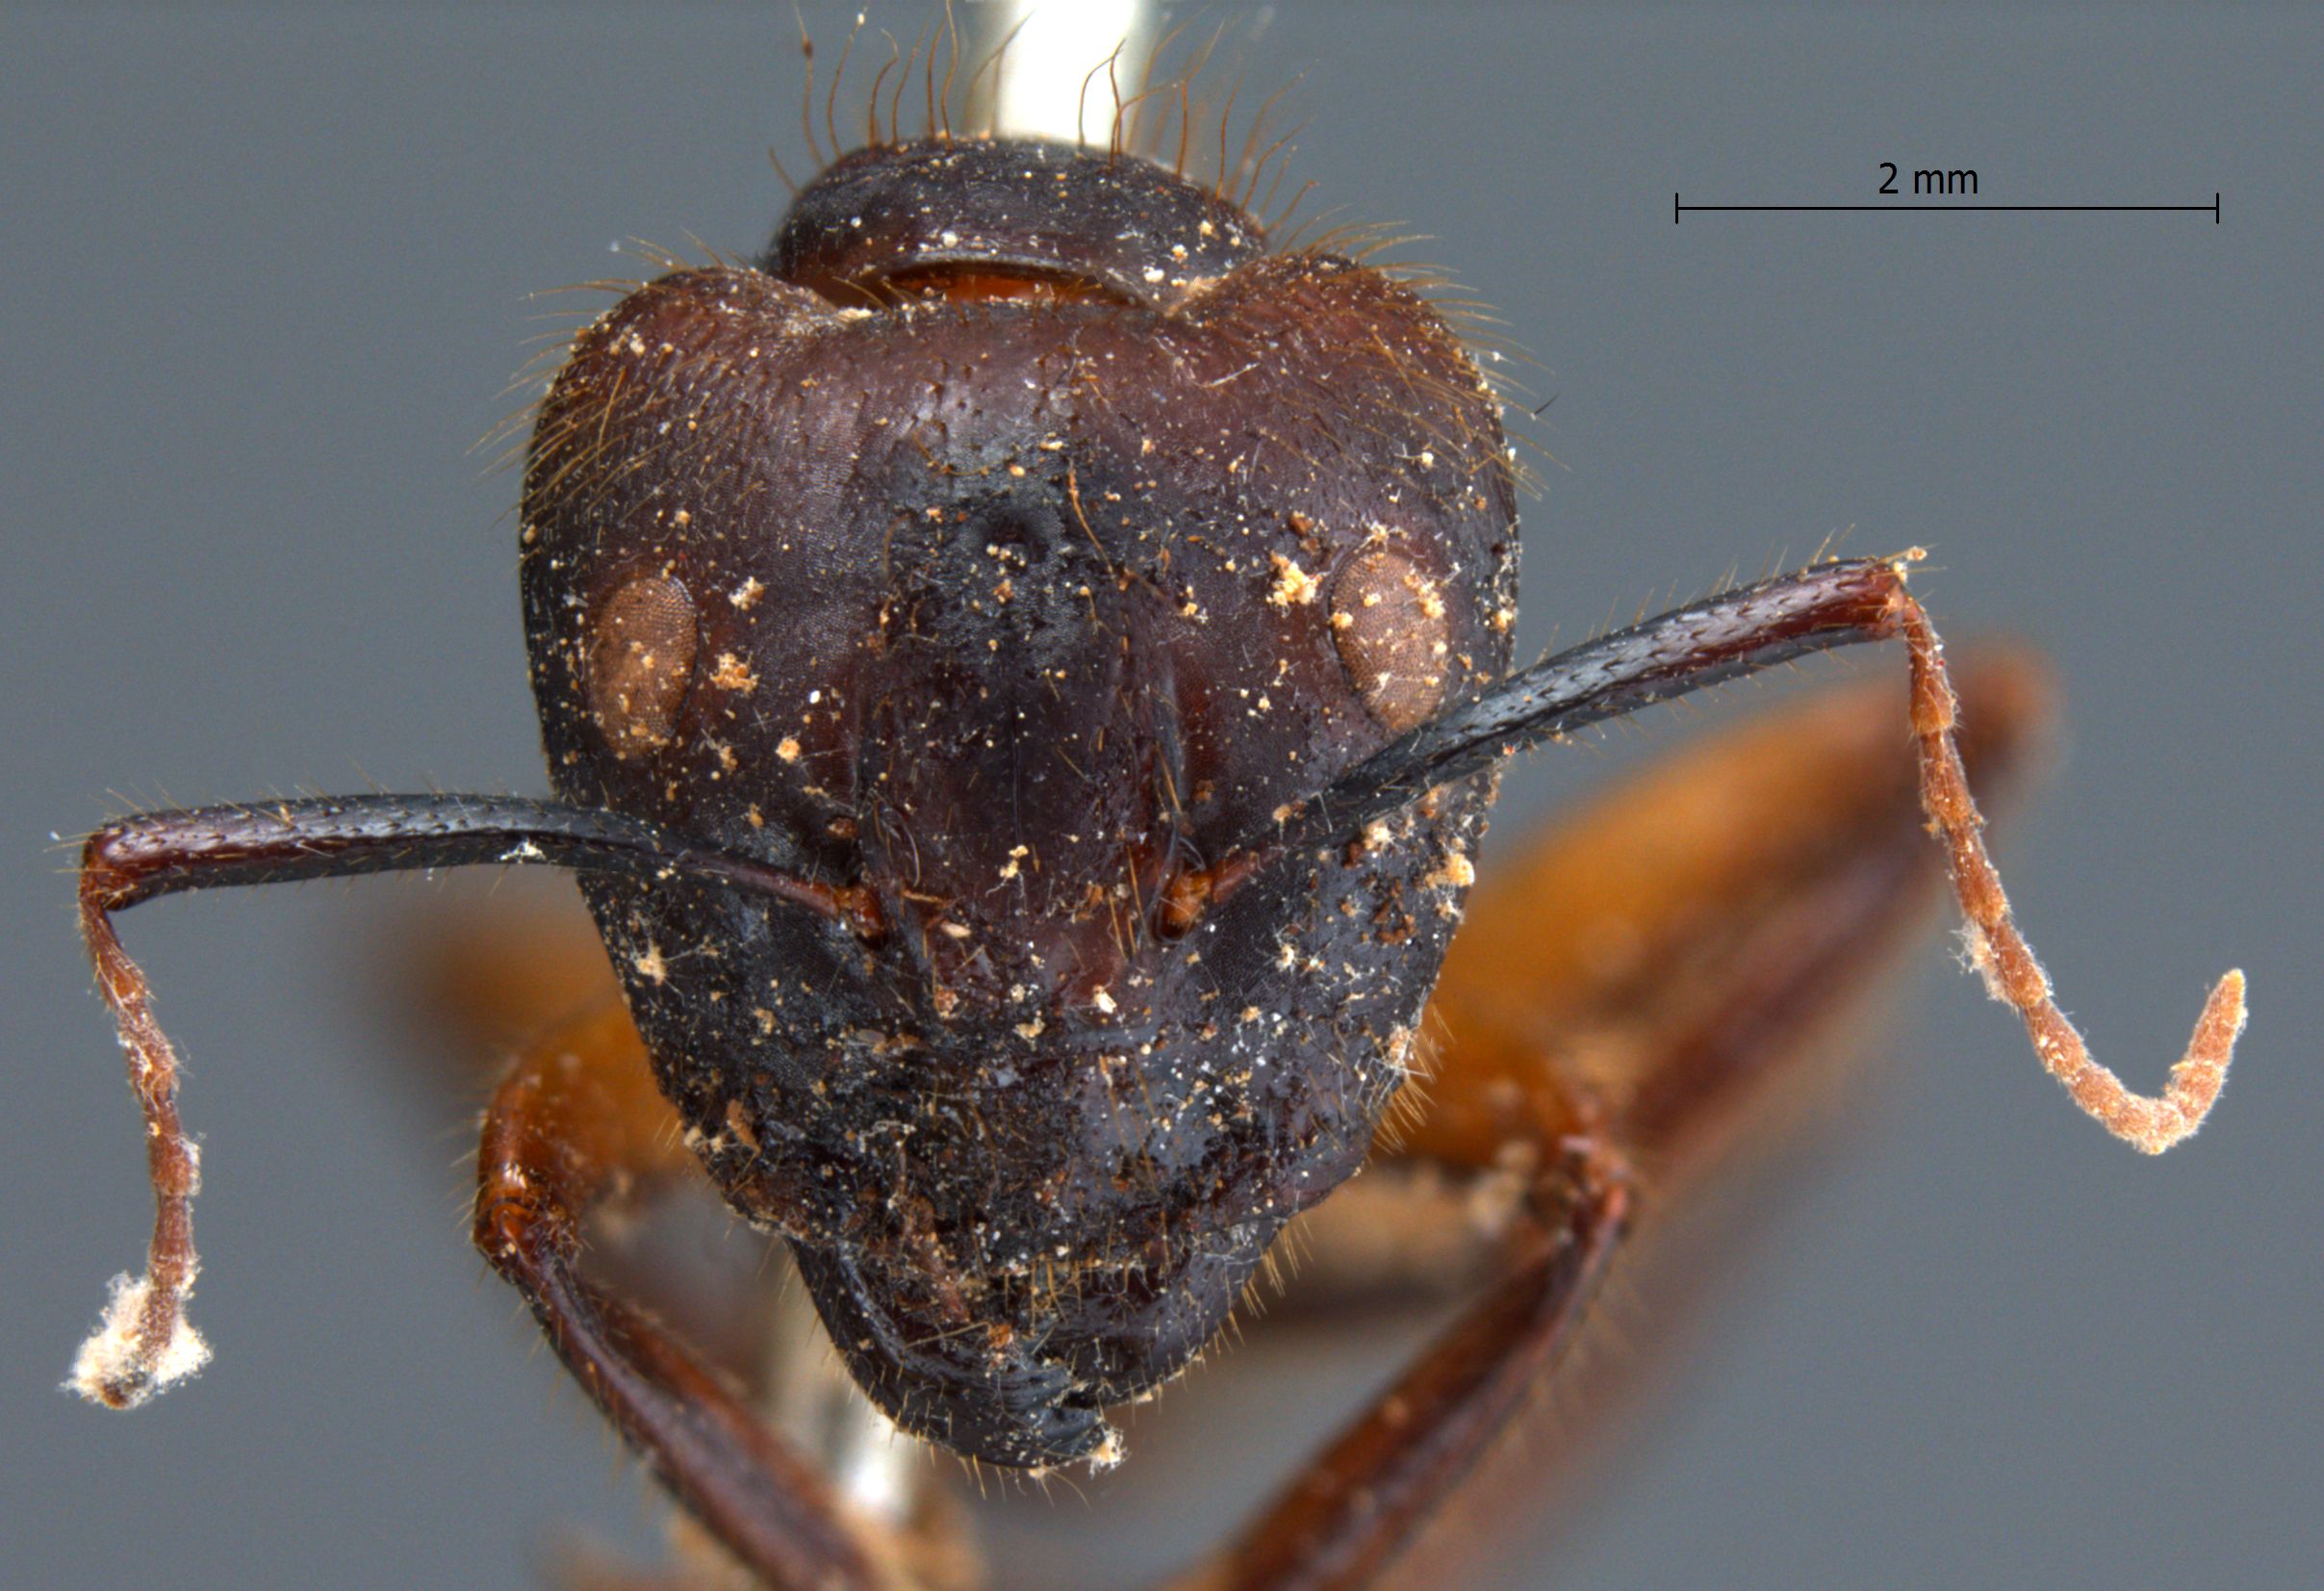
832	561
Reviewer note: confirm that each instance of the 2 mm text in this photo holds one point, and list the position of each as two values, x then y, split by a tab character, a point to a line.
1930	182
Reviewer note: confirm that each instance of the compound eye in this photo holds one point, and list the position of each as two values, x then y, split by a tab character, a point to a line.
1393	633
641	660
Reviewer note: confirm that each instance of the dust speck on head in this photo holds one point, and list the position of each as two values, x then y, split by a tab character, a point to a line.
733	673
1295	586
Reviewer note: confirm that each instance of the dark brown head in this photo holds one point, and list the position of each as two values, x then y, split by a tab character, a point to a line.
1015	536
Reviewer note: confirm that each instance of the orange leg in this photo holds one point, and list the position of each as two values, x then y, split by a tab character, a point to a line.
1349	1511
479	975
1623	991
577	1123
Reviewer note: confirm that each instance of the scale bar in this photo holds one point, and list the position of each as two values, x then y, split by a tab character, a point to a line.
1678	209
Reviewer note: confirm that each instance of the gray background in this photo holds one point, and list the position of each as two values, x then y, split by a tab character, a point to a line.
267	273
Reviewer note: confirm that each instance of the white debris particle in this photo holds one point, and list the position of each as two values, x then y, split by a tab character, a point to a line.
746	595
109	1358
650	965
1976	955
733	673
1458	872
1293	584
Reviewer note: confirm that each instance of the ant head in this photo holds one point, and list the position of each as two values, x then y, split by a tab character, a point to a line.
1006	550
